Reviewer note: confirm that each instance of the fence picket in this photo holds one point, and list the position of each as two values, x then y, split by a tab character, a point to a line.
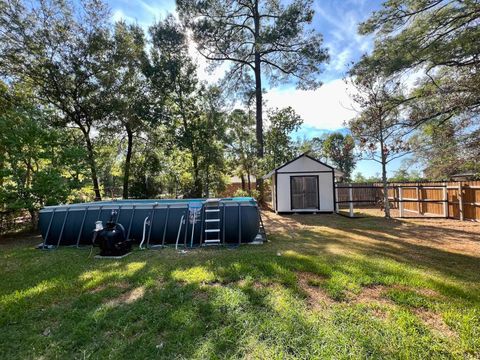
438	199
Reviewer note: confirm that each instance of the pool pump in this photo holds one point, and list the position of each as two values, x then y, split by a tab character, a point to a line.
111	239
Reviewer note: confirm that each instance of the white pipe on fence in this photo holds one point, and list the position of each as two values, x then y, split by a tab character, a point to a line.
418	201
400	203
460	200
336	199
350	198
445	201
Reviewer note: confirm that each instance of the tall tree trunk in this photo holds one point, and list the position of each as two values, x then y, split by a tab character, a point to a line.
249	183
33	219
242	178
258	100
128	158
386	204
91	162
197	185
207	182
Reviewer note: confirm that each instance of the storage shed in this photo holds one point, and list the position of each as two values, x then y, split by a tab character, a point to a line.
303	184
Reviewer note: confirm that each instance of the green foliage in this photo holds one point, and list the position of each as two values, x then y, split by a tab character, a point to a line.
312	146
261	39
379	126
436	41
339	149
126	90
194	119
241	151
40	164
403	175
360	178
264	33
445	148
279	147
61	51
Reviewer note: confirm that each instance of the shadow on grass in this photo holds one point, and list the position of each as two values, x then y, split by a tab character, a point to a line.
213	303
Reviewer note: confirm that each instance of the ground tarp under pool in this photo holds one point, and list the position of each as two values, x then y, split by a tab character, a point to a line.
229	221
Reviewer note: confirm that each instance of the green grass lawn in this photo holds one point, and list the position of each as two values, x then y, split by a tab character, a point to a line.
325	286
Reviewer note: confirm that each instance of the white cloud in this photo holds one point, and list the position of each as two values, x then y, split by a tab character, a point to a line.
203	72
339	62
118	15
326	108
156	11
340	27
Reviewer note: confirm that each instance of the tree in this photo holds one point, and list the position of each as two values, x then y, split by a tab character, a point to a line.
126	91
193	112
60	50
445	148
241	133
338	148
359	178
41	165
259	37
379	126
403	175
312	146
278	145
437	39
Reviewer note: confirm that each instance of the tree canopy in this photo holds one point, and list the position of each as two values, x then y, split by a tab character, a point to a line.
262	39
436	43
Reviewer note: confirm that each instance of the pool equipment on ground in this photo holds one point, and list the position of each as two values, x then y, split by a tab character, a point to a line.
111	239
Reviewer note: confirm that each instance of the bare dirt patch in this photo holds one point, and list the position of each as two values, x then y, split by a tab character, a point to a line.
98	289
23	239
309	284
102	287
285	225
201	295
446	234
435	322
373	294
428	293
128	297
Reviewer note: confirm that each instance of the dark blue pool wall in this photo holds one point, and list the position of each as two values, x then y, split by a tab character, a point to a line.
73	224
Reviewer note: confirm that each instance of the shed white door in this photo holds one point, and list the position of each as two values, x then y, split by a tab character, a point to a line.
304	192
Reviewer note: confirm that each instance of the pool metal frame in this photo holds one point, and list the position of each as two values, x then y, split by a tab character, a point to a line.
134	206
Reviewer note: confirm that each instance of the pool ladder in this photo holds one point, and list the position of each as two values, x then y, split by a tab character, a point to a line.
211	222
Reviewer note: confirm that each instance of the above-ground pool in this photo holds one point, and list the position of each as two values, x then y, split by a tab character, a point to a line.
186	222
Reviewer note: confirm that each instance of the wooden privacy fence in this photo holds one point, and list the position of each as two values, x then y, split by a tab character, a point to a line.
455	200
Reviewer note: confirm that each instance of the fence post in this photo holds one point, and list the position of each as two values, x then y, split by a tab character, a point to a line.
400	200
419	200
460	200
445	201
350	198
336	198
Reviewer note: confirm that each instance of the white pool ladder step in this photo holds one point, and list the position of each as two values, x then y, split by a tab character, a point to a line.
212	241
211	222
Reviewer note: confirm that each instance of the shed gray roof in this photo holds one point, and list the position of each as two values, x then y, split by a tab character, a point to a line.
336	172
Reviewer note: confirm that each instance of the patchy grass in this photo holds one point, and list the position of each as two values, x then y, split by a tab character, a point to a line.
324	287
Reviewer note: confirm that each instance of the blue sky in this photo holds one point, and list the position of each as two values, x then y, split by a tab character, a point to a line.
324	109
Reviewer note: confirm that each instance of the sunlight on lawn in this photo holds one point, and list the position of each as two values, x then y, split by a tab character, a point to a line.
195	274
30	293
332	288
95	278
